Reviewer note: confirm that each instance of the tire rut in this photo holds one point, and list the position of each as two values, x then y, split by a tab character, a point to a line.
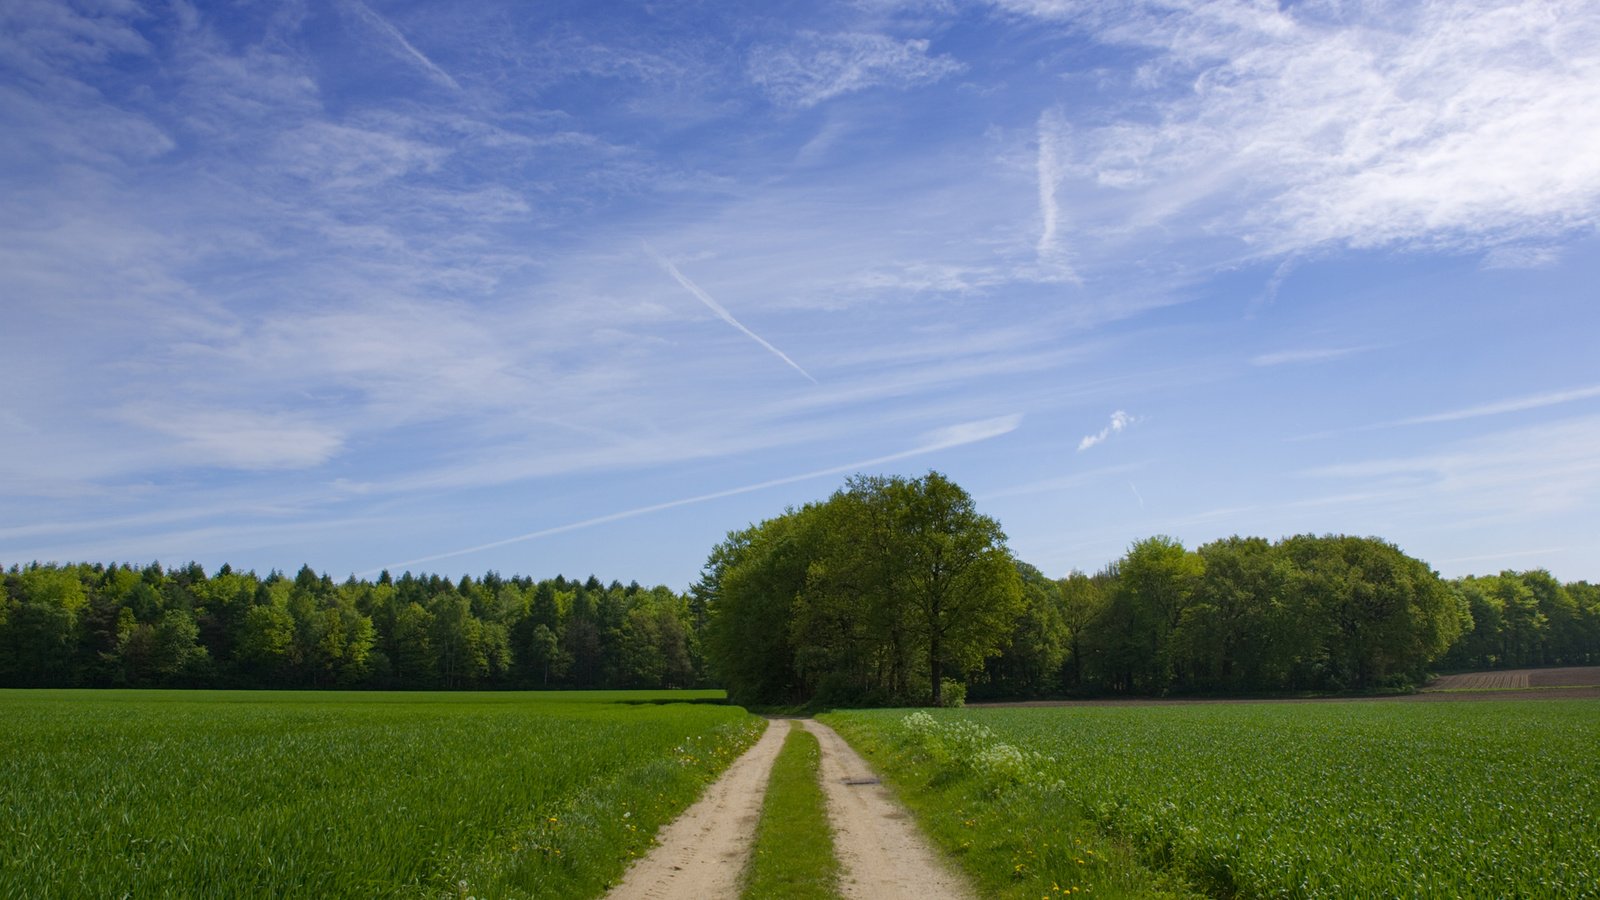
883	854
702	853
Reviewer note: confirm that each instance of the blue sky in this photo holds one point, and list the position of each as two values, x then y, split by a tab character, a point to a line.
581	287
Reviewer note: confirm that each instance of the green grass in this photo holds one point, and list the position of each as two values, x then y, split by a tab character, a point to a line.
154	794
793	856
1481	799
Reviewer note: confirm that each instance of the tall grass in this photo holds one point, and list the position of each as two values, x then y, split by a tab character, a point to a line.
1295	800
285	794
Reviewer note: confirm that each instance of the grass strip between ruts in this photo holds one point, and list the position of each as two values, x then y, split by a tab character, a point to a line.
793	855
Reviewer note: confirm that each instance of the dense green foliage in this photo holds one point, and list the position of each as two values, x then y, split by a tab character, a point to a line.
893	591
270	794
1527	619
891	586
876	595
793	854
1306	613
112	626
1363	799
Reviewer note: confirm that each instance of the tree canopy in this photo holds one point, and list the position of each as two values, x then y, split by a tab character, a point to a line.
878	594
893	590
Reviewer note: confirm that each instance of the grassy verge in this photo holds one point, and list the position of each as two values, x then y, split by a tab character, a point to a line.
1014	843
793	856
1317	800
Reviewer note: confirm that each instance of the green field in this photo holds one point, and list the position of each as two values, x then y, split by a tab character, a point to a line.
148	794
1369	799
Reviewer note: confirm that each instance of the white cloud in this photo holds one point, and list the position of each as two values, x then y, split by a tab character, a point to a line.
1520	474
1307	355
1445	125
817	67
1047	169
1120	421
237	439
1521	257
344	157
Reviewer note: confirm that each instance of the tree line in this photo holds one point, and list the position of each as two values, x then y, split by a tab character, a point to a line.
114	625
891	586
1305	613
891	591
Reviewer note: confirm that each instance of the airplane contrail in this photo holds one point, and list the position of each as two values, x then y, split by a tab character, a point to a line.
1049	250
387	28
717	308
1046	169
943	439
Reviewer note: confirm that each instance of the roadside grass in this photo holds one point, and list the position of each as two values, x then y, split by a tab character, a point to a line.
1359	799
130	793
1012	845
793	856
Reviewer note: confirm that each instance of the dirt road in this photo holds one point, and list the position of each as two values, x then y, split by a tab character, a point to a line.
703	853
883	855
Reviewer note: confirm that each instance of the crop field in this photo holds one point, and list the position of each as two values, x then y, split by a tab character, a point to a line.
344	794
1487	799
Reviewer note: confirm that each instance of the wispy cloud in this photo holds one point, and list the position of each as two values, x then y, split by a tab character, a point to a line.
1045	167
1120	421
1307	355
1440	125
721	312
1516	404
941	439
239	439
399	44
1059	483
1492	557
1522	473
1521	257
817	67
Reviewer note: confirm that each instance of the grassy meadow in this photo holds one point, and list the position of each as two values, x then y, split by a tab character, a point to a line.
132	793
1357	799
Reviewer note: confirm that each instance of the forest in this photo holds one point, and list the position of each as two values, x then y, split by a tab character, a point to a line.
118	625
891	591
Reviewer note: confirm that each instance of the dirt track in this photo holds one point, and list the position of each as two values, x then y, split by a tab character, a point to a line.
882	853
702	854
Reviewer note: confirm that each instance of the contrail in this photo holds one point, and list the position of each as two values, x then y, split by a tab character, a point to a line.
1519	404
945	438
717	308
1047	250
393	33
1046	168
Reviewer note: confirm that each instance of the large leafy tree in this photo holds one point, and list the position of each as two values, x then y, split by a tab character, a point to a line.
959	579
882	592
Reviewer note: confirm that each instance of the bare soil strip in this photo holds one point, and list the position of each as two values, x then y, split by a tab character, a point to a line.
1519	679
883	855
1481	681
701	855
1567	683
